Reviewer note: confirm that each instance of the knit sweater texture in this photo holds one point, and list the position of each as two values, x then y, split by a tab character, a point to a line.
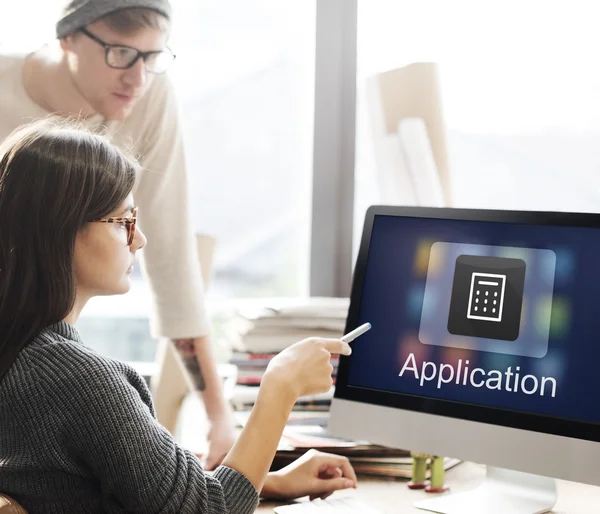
78	434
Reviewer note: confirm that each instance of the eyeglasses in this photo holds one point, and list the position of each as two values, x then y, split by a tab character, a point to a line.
124	57
129	222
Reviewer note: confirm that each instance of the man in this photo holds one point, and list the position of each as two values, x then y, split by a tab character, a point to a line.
108	68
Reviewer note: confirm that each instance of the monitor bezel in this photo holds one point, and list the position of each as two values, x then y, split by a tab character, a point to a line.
491	415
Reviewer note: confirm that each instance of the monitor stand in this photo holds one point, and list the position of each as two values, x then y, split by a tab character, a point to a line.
502	492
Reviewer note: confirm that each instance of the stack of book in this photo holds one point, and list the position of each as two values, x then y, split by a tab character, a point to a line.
272	328
262	332
305	431
251	366
244	398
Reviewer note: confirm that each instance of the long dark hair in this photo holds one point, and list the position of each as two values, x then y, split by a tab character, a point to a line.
54	179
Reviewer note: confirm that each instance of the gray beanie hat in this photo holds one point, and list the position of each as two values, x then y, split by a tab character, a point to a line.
79	13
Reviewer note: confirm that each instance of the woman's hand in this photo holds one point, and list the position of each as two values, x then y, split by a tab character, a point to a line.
305	367
302	369
315	474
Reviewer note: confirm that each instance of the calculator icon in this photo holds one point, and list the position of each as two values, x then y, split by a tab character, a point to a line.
487	297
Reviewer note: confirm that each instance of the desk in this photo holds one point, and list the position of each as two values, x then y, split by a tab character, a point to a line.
393	497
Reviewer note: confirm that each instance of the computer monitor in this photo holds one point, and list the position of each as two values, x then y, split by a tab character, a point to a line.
485	346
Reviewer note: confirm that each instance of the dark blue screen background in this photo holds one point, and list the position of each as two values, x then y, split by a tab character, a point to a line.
392	298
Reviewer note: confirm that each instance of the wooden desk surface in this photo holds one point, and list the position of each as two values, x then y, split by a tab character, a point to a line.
393	497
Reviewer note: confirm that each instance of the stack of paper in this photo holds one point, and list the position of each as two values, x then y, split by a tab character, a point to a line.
262	331
366	459
273	327
304	431
244	397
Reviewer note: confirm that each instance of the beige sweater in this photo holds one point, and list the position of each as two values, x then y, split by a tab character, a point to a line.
153	134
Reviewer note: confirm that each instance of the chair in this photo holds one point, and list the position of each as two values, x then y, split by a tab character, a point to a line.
10	506
420	164
409	136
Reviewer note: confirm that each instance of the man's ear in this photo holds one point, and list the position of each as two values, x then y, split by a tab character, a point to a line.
66	43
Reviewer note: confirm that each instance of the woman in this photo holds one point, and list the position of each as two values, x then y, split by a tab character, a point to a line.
77	430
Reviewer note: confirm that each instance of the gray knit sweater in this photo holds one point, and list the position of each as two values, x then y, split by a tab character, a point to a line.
78	434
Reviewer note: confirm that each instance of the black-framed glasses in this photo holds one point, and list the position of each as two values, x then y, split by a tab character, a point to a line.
124	57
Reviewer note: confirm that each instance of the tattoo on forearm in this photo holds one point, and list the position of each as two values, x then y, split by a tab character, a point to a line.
187	352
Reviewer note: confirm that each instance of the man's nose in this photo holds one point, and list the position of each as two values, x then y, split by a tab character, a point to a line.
136	75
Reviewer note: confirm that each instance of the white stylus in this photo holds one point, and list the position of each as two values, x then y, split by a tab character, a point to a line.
359	331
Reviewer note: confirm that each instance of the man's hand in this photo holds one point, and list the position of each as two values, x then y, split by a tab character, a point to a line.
221	437
315	474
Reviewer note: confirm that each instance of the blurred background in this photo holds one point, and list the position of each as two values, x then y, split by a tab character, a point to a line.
519	96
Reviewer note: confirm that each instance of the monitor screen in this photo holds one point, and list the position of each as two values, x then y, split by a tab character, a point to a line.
480	315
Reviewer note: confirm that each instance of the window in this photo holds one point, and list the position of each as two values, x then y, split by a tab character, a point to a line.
245	75
245	78
520	96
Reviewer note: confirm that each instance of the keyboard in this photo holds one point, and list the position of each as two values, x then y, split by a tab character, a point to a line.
335	506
